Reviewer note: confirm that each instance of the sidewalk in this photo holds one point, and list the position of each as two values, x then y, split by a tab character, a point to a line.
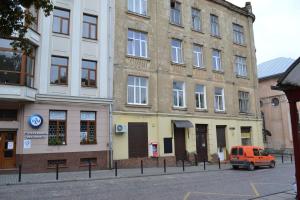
11	179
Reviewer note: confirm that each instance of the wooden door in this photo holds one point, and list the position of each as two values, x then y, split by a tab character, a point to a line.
137	140
179	135
8	150
201	142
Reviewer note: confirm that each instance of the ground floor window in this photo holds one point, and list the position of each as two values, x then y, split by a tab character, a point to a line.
138	140
87	161
53	163
168	148
57	128
88	128
246	135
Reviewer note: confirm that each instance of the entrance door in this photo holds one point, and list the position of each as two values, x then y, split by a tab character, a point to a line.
137	140
221	142
179	135
201	141
7	150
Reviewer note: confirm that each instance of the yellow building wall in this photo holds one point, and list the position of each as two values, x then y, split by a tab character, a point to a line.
160	127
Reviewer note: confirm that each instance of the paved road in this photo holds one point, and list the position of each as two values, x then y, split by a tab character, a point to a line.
225	185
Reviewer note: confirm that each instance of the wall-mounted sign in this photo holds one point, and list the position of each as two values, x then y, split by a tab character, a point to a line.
27	144
10	145
35	135
35	121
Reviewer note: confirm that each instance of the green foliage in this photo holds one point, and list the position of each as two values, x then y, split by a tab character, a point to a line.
15	18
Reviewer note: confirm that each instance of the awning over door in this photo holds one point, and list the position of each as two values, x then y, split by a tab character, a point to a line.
183	123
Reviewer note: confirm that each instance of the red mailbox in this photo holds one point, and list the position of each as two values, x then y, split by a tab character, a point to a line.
153	149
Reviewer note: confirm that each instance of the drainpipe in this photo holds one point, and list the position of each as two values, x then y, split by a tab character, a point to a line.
110	138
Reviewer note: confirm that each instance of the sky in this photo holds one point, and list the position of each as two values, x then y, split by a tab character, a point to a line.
276	28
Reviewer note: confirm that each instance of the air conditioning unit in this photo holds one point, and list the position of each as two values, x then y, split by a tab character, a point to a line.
121	128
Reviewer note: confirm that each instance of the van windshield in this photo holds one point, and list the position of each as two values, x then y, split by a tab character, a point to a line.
234	151
241	151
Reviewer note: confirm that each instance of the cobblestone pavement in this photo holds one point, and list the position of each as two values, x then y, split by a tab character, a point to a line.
194	183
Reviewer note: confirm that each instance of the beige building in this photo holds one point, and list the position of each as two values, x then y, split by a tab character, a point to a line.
55	104
185	81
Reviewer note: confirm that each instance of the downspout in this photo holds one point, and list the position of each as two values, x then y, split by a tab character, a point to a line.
110	137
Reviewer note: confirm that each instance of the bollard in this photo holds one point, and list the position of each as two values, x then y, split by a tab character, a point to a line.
282	158
20	172
116	168
183	165
90	169
196	160
204	167
142	167
291	158
165	168
219	163
56	171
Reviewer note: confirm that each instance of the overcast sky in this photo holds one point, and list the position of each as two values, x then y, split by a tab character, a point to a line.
276	28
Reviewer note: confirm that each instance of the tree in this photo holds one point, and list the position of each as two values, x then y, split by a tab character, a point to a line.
16	17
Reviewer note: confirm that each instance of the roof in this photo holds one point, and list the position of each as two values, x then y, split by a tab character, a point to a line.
291	77
273	67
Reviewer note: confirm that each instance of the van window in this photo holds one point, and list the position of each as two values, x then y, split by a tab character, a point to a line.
234	151
241	151
255	152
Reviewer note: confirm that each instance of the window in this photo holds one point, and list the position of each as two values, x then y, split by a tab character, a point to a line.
176	51
137	44
219	100
234	151
89	29
238	34
61	163
59	70
214	25
168	145
200	95
16	68
255	152
88	128
196	19
35	14
246	135
175	17
57	128
275	102
137	90
138	6
89	73
87	161
240	66
244	102
216	60
61	21
241	151
198	55
178	94
8	115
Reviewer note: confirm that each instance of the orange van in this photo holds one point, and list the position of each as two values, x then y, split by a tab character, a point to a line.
250	157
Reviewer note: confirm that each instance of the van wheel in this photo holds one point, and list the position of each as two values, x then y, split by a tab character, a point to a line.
272	164
235	167
251	167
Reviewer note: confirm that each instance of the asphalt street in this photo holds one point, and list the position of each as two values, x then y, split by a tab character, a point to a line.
223	184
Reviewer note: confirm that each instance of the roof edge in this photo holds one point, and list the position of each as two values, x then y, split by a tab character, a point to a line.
286	73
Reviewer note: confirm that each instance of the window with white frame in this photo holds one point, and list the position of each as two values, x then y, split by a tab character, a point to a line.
238	34
175	14
200	95
137	44
244	102
138	6
198	55
196	19
240	66
137	90
214	25
219	100
178	94
176	51
216	60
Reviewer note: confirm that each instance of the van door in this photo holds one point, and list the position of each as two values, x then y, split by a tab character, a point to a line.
264	157
256	155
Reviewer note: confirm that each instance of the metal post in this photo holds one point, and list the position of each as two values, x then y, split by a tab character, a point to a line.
183	165
142	167
282	158
56	171
165	167
219	163
20	172
204	167
90	169
116	168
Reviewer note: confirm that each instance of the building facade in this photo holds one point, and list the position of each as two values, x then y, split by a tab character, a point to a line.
55	104
185	81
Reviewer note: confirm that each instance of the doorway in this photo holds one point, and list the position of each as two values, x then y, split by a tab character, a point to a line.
8	150
179	135
221	142
201	142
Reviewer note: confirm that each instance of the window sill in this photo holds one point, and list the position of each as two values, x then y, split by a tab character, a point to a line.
242	77
54	145
220	112
89	87
199	68
177	25
218	71
61	35
246	114
58	85
89	40
178	64
138	14
137	105
81	143
138	57
87	165
198	31
241	45
216	36
180	108
201	110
